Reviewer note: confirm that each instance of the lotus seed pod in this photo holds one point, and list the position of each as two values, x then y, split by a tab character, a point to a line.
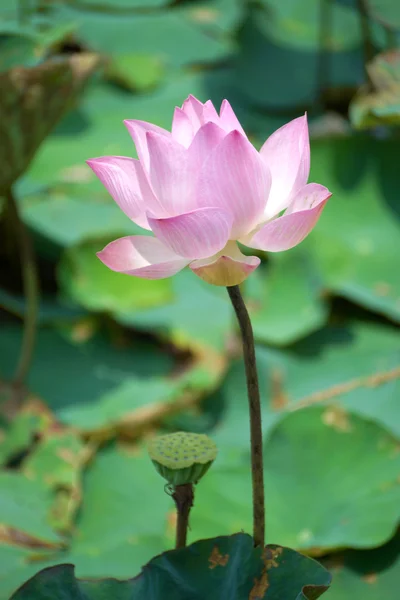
182	457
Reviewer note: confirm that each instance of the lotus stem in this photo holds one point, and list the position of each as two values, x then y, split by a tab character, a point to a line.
253	393
183	496
30	282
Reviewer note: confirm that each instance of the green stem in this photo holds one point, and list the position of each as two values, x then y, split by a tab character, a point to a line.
253	394
31	291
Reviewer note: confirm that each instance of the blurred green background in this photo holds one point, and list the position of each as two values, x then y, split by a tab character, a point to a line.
118	359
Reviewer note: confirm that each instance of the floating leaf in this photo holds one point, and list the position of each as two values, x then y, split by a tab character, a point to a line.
136	72
25	505
113	388
50	308
331	481
262	59
74	214
353	243
57	462
17	564
198	317
286	302
217	568
167	35
120	5
367	574
123	518
215	15
352	369
300	25
18	435
107	383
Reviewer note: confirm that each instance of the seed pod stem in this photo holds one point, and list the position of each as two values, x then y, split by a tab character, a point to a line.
183	496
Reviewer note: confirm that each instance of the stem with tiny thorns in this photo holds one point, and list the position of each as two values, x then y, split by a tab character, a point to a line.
183	496
30	282
253	394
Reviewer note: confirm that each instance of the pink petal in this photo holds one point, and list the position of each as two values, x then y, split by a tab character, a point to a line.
228	119
308	197
182	128
225	270
204	142
198	113
137	131
193	108
289	230
125	181
196	234
210	115
142	256
287	154
171	174
235	178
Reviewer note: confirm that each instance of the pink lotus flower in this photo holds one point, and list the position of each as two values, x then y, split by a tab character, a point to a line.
202	188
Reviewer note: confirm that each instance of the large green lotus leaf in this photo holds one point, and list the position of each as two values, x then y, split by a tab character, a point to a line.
110	6
17	435
355	238
329	483
290	23
123	518
136	71
50	310
91	384
198	315
221	568
25	505
262	60
367	574
75	213
57	462
9	11
349	468
286	301
377	399
17	564
214	15
113	388
168	35
89	283
120	525
353	367
32	101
